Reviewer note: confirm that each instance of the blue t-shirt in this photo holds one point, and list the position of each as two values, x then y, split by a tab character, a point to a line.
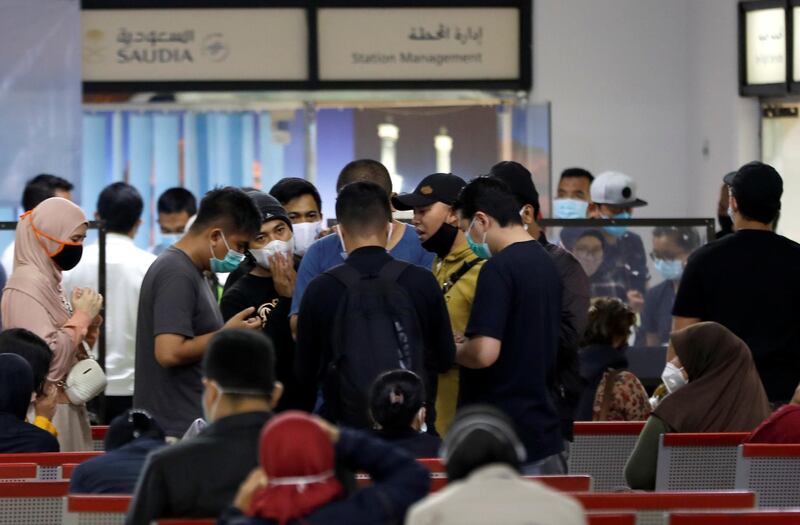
518	301
326	253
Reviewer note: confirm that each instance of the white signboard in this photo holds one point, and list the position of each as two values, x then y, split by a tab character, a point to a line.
765	43
796	45
418	44
140	45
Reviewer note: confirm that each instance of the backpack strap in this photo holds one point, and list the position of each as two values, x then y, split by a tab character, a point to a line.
345	274
392	270
458	274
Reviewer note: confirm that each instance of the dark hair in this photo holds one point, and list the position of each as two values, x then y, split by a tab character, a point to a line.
362	208
241	362
290	188
365	170
395	398
577	173
595	234
491	196
609	319
120	206
520	181
42	187
229	207
132	424
30	347
685	237
176	200
480	435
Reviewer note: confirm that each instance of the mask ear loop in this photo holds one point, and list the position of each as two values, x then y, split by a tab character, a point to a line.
39	234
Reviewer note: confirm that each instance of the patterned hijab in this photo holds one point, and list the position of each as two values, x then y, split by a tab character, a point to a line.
724	393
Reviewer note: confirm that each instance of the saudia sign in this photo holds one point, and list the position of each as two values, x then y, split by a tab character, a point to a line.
194	44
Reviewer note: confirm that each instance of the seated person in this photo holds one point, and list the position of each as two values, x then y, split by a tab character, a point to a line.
714	387
612	393
296	483
397	406
604	279
782	427
483	454
672	247
16	389
38	354
131	436
198	477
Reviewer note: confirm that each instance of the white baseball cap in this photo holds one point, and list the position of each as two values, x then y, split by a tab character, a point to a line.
615	189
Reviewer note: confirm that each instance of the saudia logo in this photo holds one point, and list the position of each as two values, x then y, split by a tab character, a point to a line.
162	47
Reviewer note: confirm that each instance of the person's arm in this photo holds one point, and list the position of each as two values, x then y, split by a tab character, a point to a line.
22	311
691	304
637	259
478	352
575	300
435	324
308	269
640	470
399	480
150	496
308	354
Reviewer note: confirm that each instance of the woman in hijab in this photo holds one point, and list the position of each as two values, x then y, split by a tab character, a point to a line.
297	484
49	240
716	389
16	389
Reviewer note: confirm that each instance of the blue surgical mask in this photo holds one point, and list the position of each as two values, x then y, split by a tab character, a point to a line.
169	239
570	209
617	231
231	261
480	249
670	269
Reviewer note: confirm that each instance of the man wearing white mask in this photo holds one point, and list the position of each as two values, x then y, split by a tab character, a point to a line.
268	287
303	206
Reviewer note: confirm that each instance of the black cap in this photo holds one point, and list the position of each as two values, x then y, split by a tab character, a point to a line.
757	188
132	424
439	187
269	207
519	180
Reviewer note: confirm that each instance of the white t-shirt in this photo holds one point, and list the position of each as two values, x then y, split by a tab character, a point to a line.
7	259
126	266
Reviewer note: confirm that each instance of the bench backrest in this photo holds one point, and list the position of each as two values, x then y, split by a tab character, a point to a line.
17	472
601	449
28	502
98	438
96	509
771	471
611	519
698	461
48	464
788	517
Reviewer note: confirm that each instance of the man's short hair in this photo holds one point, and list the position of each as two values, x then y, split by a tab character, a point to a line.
176	200
30	347
577	173
491	196
43	187
685	237
241	362
120	205
362	208
520	181
365	170
228	207
290	188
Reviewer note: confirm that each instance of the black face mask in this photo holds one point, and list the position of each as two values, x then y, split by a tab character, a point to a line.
442	241
69	257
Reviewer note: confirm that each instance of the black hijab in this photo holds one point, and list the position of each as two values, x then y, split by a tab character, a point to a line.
16	385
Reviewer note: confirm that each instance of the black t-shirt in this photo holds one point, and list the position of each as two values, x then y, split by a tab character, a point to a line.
273	310
318	311
657	316
518	301
749	282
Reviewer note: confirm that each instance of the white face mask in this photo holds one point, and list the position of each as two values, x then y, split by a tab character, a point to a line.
305	233
263	255
673	379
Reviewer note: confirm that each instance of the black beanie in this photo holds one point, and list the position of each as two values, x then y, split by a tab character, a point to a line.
241	362
269	207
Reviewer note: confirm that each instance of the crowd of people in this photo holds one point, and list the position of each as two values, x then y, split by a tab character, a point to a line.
256	358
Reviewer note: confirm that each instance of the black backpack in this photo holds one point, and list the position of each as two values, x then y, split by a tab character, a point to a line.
376	329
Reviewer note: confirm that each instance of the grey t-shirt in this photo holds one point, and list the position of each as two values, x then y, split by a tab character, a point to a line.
174	299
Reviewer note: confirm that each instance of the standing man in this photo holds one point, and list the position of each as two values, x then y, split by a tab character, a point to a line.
303	204
456	267
573	196
614	197
369	312
749	281
120	207
509	355
567	385
178	314
175	207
